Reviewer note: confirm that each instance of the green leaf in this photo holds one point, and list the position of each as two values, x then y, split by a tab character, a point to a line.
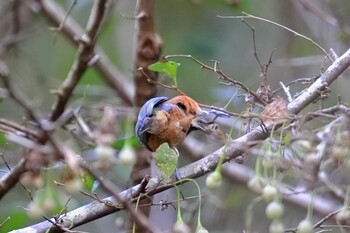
89	182
166	160
166	66
132	141
18	219
287	139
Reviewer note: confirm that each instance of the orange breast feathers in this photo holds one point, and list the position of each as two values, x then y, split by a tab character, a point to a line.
164	119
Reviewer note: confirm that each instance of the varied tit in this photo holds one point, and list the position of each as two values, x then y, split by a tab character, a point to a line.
170	120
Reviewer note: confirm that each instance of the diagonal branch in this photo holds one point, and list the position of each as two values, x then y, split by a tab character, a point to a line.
313	92
8	181
84	56
85	214
138	216
233	150
72	30
205	165
249	16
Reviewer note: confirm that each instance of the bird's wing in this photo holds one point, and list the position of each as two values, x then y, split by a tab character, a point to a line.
144	118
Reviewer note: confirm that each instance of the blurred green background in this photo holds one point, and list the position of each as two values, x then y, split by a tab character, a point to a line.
41	60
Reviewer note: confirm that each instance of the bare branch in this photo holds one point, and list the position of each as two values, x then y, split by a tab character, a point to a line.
148	46
178	90
139	217
218	71
8	181
299	80
208	163
8	126
249	16
72	30
287	92
84	56
326	218
87	213
313	92
11	39
60	150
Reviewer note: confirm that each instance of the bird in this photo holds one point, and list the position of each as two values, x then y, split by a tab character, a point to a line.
170	120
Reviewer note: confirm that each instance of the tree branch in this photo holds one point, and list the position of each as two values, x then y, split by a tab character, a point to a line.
84	58
8	181
203	166
85	214
249	16
148	46
313	92
73	31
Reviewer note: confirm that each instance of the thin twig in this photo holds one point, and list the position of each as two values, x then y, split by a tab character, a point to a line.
263	67
72	30
287	92
326	112
218	71
64	20
8	181
254	44
3	223
13	37
327	217
61	151
139	217
233	149
150	80
326	78
9	168
83	58
175	88
249	16
13	127
306	81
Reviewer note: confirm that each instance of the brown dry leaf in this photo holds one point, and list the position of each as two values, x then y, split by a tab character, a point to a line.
250	101
215	131
275	112
264	92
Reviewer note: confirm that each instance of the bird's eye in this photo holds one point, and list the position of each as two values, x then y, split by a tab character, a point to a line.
182	106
